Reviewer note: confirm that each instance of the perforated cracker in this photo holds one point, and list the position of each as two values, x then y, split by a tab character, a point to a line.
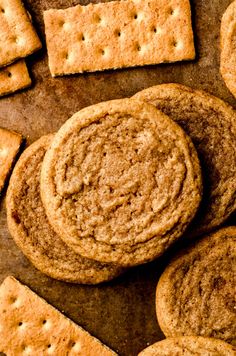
10	143
18	38
30	326
118	34
14	77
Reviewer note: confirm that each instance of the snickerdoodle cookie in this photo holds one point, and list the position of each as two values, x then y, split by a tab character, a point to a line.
196	293
228	47
189	346
31	231
120	182
211	124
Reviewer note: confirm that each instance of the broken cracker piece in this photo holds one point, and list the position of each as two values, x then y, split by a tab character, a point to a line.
31	326
118	34
14	77
10	143
18	37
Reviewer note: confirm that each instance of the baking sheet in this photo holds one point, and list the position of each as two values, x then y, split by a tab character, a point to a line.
120	313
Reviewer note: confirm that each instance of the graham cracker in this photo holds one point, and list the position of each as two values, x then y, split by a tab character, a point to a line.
18	38
30	326
14	77
228	47
10	143
118	34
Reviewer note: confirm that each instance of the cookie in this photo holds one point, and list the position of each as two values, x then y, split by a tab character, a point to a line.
118	34
18	38
211	124
28	225
14	77
30	326
120	182
196	293
189	346
228	47
10	144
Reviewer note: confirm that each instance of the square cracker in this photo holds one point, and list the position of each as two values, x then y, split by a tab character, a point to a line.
118	34
14	77
30	326
18	38
10	143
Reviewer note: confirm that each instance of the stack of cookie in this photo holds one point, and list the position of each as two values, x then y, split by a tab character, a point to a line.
119	183
195	296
